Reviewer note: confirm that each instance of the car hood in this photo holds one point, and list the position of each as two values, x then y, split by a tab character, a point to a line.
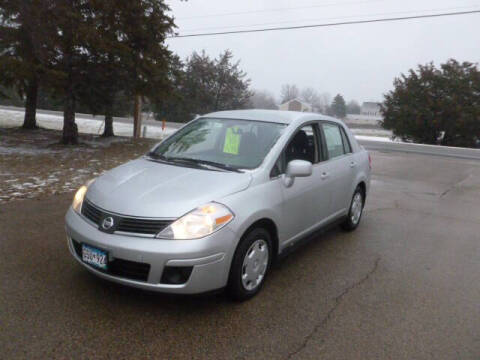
146	188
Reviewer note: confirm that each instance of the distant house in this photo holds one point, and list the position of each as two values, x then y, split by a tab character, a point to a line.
369	115
370	109
296	105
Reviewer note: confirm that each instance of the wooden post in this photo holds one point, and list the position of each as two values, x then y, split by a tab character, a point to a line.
137	117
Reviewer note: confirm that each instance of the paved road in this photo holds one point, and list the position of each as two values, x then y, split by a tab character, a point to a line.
405	285
434	150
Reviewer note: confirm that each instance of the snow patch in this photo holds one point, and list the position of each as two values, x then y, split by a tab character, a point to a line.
24	150
14	118
375	138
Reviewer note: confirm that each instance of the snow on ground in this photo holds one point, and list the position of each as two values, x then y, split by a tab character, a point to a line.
14	118
33	163
375	138
371	132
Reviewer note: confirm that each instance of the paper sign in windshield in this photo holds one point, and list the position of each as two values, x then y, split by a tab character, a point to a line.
232	142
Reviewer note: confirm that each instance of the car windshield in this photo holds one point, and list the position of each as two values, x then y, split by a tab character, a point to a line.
234	144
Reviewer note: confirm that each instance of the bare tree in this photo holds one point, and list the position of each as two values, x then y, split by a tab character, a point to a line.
325	100
263	99
289	92
311	96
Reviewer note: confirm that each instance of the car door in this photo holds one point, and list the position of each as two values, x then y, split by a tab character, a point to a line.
307	201
340	166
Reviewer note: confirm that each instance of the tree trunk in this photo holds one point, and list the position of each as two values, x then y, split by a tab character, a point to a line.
70	130
137	116
108	131
29	121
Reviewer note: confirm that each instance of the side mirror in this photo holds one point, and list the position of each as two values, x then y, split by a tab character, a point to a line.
297	168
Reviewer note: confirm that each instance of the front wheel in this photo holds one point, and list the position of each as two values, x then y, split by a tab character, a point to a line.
355	212
250	264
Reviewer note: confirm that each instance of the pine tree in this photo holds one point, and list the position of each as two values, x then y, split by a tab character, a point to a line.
436	106
24	55
338	107
145	26
69	64
203	85
107	47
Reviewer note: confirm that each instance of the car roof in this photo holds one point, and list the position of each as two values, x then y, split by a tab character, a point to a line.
274	116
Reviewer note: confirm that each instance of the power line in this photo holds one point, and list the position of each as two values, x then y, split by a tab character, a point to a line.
279	9
403	18
396	13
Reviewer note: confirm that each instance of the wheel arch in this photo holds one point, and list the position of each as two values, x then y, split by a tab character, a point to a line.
269	225
363	186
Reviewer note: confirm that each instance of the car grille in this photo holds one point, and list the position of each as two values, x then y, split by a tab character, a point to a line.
91	212
119	267
125	224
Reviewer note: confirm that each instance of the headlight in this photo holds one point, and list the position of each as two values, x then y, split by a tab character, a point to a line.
79	196
198	223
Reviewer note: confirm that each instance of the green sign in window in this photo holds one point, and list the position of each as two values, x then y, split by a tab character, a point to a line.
232	141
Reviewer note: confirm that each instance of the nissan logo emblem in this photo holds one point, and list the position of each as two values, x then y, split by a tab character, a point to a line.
108	223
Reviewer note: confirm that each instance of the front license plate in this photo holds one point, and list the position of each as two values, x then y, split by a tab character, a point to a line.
95	257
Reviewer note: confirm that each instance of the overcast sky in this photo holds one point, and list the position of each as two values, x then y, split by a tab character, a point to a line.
358	61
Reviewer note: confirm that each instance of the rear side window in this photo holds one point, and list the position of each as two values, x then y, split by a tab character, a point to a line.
346	144
333	140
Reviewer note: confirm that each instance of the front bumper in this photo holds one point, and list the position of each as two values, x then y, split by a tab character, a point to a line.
210	256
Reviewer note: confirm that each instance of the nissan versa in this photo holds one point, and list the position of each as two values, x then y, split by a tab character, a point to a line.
216	202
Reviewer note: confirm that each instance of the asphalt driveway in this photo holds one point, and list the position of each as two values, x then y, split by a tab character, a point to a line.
405	285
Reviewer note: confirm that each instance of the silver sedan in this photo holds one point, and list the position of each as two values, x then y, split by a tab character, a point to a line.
215	203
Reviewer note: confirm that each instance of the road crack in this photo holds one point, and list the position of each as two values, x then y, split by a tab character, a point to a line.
338	301
453	186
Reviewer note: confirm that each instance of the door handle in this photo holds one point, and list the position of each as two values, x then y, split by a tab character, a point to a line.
324	175
353	164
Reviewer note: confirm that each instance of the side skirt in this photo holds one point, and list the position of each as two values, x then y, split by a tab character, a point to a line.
309	237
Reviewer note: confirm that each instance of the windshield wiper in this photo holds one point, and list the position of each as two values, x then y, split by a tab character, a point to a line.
196	162
154	155
219	165
209	163
171	160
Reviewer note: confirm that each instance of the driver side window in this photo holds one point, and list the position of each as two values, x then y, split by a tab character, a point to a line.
302	146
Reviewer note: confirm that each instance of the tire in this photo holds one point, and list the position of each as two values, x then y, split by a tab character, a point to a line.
247	276
355	212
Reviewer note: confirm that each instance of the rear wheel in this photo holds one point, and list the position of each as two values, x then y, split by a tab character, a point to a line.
250	264
355	211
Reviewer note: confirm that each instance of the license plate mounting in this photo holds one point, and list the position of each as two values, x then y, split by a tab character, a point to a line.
96	257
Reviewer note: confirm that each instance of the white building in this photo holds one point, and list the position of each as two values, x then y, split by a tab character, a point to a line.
296	105
369	115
